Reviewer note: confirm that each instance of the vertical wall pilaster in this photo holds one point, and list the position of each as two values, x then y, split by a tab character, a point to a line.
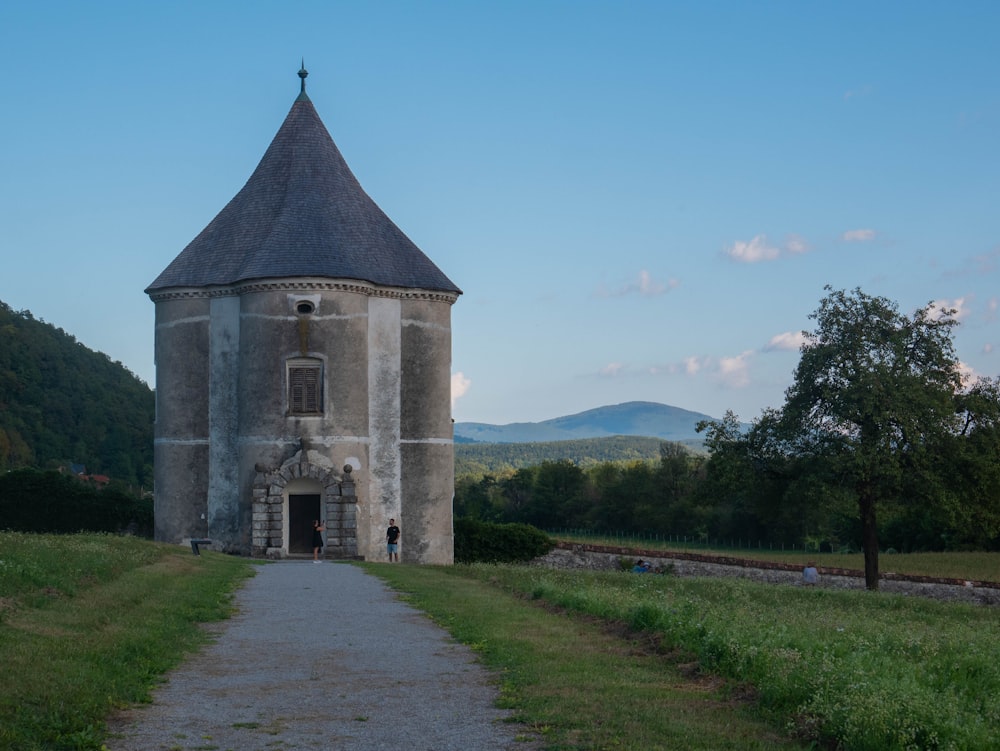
384	399
223	421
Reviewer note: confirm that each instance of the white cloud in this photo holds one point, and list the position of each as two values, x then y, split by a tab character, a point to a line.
960	305
858	235
735	371
755	251
731	371
644	286
987	348
692	365
611	369
967	373
758	249
459	386
648	287
796	244
788	340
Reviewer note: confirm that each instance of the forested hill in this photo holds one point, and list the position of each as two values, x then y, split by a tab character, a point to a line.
483	458
62	403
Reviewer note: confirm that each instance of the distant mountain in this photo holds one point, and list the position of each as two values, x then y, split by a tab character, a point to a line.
649	419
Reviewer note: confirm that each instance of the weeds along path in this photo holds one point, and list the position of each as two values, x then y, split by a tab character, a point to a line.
321	656
584	682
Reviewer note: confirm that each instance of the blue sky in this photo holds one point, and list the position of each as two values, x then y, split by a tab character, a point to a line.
640	200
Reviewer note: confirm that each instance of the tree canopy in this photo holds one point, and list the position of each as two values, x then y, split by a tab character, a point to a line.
877	399
62	403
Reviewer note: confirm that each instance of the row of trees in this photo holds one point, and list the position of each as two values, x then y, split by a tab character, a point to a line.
482	458
879	444
631	497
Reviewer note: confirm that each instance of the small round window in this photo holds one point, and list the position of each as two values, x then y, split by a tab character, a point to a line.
304	307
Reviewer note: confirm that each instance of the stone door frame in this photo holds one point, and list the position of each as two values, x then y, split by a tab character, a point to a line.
338	505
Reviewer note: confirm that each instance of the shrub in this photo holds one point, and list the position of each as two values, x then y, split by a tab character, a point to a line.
36	501
488	542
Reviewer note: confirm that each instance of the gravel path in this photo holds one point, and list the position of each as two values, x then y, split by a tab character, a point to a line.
322	656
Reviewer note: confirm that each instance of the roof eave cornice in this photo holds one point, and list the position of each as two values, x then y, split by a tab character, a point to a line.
310	284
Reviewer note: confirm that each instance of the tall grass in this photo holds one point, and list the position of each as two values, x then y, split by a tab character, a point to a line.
577	684
866	671
89	622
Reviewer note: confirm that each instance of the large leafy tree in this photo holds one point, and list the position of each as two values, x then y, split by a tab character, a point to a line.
873	398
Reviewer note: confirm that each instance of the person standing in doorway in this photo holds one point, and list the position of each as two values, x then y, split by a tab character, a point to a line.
392	541
318	530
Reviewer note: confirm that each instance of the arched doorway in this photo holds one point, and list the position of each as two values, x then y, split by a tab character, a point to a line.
285	504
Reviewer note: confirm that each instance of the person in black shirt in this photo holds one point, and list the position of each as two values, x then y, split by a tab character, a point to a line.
392	541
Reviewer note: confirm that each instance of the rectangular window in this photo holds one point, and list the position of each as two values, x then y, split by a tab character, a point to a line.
305	389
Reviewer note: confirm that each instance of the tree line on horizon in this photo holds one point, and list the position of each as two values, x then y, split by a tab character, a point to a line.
499	458
881	443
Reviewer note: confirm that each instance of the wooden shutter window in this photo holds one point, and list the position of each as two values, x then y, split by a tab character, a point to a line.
304	390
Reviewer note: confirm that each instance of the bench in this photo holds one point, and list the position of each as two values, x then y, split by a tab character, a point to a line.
196	541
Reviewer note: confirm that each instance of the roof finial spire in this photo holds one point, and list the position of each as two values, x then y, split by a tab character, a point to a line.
302	74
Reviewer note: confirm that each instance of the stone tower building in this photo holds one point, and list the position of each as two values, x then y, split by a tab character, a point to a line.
303	369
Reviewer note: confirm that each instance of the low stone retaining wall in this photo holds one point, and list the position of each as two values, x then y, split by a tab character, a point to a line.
608	558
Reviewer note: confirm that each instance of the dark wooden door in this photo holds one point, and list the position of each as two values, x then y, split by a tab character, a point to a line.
303	510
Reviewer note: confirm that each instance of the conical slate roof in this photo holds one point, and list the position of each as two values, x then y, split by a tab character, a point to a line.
302	213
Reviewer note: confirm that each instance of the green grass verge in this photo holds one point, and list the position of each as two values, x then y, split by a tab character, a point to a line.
576	683
89	623
852	670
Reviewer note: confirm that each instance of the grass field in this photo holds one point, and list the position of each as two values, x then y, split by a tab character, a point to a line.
851	670
90	623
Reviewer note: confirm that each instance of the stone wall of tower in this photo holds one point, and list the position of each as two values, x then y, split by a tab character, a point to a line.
181	435
274	332
426	432
224	422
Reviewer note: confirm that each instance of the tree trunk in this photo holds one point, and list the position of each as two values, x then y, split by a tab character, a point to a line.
869	538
